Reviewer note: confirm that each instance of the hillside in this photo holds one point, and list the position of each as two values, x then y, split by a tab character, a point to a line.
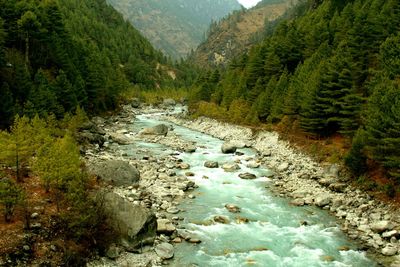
331	72
236	33
56	55
174	26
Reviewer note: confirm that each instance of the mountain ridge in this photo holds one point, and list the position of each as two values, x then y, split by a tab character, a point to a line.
174	26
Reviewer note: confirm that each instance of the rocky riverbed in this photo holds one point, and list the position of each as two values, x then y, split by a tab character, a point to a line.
156	188
376	225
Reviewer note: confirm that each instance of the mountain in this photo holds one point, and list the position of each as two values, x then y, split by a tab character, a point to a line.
58	54
236	33
174	26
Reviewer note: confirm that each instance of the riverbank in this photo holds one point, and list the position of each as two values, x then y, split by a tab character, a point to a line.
371	222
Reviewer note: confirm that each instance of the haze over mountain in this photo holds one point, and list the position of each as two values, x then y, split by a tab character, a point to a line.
174	26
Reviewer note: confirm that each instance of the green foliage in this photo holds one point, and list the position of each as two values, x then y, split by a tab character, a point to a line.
356	158
58	54
335	68
10	196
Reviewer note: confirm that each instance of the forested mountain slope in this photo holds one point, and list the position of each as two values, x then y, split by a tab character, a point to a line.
334	70
174	26
236	33
57	54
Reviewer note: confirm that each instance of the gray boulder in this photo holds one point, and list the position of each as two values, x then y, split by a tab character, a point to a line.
230	167
121	139
228	148
134	224
160	129
381	226
165	226
116	172
322	200
90	138
165	251
135	103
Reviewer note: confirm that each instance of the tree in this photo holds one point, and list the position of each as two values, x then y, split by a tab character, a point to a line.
10	196
58	165
28	24
17	146
383	125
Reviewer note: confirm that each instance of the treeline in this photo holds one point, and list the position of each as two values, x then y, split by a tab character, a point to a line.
333	70
58	54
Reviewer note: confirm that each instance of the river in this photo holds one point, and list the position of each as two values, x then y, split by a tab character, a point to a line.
268	230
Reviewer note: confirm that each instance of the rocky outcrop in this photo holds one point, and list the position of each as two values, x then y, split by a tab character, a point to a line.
134	224
116	172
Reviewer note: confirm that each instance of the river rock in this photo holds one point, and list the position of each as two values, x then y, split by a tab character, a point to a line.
134	224
135	103
322	200
121	139
253	165
113	252
297	202
338	187
389	234
389	250
165	251
221	219
190	149
173	210
283	167
160	129
90	138
381	226
165	226
211	164
116	172
230	167
232	208
184	166
247	176
228	148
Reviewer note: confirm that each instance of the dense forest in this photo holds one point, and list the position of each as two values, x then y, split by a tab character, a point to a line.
58	54
333	70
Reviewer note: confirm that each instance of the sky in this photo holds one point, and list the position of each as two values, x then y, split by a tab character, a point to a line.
248	3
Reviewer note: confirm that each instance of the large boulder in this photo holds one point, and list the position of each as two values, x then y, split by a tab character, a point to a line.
116	172
135	225
86	137
381	226
160	129
228	148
